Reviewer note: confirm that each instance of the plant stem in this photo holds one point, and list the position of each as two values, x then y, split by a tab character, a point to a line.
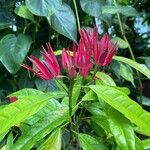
77	15
70	105
131	53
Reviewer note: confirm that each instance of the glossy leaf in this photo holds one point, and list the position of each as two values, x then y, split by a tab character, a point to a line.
53	142
13	50
76	90
41	127
106	79
43	7
121	129
88	5
21	94
140	67
120	101
88	142
23	108
64	22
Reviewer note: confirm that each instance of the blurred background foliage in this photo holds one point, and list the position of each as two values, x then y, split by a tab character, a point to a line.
26	25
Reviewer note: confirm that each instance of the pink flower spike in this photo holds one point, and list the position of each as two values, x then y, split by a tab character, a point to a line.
47	69
67	63
105	51
82	59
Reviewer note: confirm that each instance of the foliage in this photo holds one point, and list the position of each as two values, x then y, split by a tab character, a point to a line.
106	107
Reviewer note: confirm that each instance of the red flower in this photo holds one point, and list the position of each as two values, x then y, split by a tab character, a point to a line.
12	99
90	39
67	63
104	51
82	58
47	69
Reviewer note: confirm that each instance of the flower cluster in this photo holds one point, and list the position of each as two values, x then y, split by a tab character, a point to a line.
89	47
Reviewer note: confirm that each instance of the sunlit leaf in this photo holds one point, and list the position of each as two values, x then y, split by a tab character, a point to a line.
120	101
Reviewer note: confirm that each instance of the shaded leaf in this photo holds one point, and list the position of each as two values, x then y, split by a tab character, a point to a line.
126	73
64	22
13	50
43	7
125	10
145	100
88	5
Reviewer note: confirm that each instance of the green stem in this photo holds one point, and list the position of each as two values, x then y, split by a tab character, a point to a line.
131	53
77	15
70	105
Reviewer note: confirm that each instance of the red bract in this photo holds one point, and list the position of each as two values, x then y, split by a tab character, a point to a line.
90	39
82	58
104	51
47	69
67	63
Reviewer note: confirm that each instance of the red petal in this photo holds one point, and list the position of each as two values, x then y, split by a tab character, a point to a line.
40	66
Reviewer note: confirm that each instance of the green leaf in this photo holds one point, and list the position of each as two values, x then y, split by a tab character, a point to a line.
121	129
138	144
140	67
106	79
13	50
125	10
88	142
88	5
43	126
6	18
22	94
25	92
89	96
76	90
126	73
24	12
9	143
45	85
120	101
53	142
23	108
145	100
43	7
146	143
121	43
147	62
64	22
